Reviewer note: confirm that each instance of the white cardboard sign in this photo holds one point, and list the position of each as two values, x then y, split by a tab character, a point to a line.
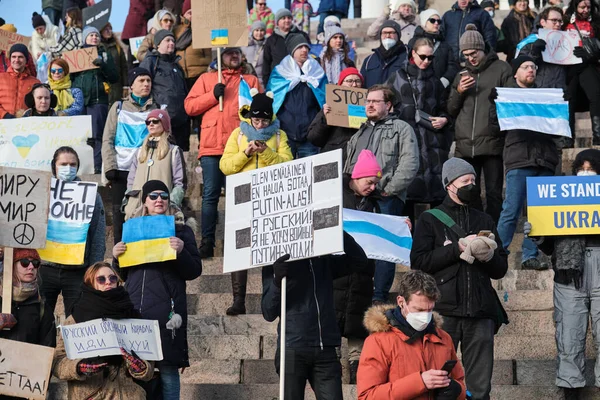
559	46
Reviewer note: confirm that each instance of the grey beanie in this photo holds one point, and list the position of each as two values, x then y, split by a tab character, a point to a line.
455	168
471	39
257	25
284	12
331	31
87	31
161	35
295	40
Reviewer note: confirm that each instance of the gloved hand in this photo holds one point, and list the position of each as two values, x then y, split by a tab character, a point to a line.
219	90
134	364
493	95
387	10
584	55
91	142
566	96
7	321
111	175
527	228
8	116
98	61
539	46
280	269
90	367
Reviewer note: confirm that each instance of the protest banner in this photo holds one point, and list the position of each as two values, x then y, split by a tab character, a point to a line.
347	106
25	369
81	59
97	15
559	46
104	337
291	208
134	46
147	240
7	39
31	142
218	23
71	210
563	205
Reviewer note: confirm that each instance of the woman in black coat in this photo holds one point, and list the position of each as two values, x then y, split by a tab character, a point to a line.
516	26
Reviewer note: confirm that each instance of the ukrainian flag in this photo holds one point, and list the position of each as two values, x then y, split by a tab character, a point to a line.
219	37
65	242
147	240
356	115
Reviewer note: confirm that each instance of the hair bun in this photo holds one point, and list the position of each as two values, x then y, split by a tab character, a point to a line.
471	27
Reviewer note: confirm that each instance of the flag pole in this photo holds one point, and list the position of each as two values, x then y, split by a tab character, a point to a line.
282	325
220	73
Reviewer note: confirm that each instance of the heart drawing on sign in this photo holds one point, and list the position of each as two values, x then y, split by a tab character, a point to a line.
25	143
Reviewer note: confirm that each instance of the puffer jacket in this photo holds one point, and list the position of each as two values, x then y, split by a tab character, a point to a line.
310	318
455	20
234	159
91	82
217	126
155	286
118	55
548	75
472	109
525	148
407	27
43	43
194	62
13	88
391	364
466	288
275	50
510	29
445	63
434	145
168	84
329	137
396	151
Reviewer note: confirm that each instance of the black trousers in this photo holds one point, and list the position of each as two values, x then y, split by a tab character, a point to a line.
56	280
476	339
493	170
118	187
250	4
321	368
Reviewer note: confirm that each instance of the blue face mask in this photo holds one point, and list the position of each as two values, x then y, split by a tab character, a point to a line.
66	173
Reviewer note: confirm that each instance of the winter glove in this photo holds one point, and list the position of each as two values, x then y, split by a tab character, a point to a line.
219	90
527	228
98	61
111	175
7	321
480	248
91	142
387	10
280	269
450	392
88	367
584	55
135	365
527	231
539	46
566	96
8	116
493	95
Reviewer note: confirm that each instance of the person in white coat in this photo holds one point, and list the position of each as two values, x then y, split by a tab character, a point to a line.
44	36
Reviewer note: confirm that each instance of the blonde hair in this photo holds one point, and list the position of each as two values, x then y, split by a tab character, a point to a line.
161	150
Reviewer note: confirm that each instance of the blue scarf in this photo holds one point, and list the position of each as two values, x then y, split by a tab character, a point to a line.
259	134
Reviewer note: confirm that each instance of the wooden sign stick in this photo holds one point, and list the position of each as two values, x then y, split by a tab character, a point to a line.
220	76
7	281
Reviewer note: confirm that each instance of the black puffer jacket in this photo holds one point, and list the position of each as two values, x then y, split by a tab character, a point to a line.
35	323
466	288
153	286
445	64
310	309
434	145
329	137
510	29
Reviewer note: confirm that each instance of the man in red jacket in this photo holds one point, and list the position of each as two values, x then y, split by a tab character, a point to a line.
16	82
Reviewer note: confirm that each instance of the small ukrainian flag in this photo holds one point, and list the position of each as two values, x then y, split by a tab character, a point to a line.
147	240
219	37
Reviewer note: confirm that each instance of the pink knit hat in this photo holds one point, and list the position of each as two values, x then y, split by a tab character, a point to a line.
366	165
163	116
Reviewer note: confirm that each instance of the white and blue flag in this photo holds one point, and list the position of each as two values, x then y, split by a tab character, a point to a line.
131	132
539	110
244	96
382	237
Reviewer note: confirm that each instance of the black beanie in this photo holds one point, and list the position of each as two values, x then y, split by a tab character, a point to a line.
37	20
517	62
151	186
295	40
262	106
135	72
19	48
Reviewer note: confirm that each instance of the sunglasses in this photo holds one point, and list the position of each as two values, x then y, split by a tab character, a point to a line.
111	278
435	21
153	122
423	57
57	70
26	261
162	195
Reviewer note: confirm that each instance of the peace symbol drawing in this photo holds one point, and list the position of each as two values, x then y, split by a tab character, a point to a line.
23	234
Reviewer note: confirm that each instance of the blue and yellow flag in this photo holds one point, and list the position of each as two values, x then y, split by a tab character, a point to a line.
147	240
219	37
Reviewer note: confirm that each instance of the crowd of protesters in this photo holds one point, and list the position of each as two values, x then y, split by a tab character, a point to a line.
431	83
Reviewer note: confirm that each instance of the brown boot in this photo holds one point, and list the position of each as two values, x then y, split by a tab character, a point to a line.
239	281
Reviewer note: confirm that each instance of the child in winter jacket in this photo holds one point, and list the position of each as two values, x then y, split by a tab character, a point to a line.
302	12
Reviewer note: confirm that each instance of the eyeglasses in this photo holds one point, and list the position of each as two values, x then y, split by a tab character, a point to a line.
261	4
532	67
471	55
111	278
389	33
555	21
261	121
26	261
57	70
152	122
424	57
435	21
162	195
353	81
374	101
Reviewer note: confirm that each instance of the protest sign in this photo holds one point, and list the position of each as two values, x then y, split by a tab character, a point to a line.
71	210
7	39
104	337
218	23
134	46
147	240
559	46
81	59
97	15
291	208
347	106
563	205
24	198
31	142
25	369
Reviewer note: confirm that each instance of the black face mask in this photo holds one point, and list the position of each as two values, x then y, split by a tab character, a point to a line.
467	194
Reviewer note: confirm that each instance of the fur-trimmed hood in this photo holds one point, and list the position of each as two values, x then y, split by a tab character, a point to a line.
376	320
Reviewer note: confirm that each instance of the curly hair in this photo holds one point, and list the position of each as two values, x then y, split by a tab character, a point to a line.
590	155
418	282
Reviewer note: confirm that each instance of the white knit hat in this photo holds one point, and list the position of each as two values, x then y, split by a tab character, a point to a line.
425	15
395	4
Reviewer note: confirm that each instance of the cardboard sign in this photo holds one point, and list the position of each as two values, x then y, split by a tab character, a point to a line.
147	240
563	205
97	15
559	46
81	59
24	199
291	208
25	369
71	210
218	23
7	39
134	45
104	337
31	142
347	106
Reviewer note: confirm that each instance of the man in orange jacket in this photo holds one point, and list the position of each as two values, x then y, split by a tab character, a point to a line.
404	356
16	82
216	128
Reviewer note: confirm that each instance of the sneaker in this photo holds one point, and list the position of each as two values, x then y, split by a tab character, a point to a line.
207	250
534	264
572	393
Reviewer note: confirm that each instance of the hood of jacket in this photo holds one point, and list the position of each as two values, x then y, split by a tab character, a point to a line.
284	35
51	30
245	69
421	33
376	319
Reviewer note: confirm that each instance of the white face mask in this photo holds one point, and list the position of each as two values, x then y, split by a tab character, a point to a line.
586	173
66	173
388	43
419	320
491	13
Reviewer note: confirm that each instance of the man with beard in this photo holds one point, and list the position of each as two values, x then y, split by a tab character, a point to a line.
387	58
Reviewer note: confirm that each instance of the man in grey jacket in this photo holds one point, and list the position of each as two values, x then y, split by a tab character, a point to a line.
394	144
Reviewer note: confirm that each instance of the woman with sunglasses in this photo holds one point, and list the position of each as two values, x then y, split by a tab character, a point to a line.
421	101
108	377
157	159
158	289
163	19
445	64
334	56
69	99
516	26
40	102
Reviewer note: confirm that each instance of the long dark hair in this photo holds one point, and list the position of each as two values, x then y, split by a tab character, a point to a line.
572	10
76	17
329	52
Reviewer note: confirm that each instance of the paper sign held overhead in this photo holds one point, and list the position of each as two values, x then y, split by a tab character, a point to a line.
81	59
559	46
218	23
97	15
347	106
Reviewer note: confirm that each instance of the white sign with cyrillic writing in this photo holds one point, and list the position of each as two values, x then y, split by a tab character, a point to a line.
105	337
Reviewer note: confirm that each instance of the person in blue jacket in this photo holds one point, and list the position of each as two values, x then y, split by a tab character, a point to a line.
339	8
465	12
388	58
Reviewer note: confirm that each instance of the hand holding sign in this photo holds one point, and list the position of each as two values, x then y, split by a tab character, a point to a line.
560	46
346	106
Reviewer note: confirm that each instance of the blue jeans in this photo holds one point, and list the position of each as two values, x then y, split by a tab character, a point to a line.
302	149
386	271
324	15
213	182
516	194
171	386
53	14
